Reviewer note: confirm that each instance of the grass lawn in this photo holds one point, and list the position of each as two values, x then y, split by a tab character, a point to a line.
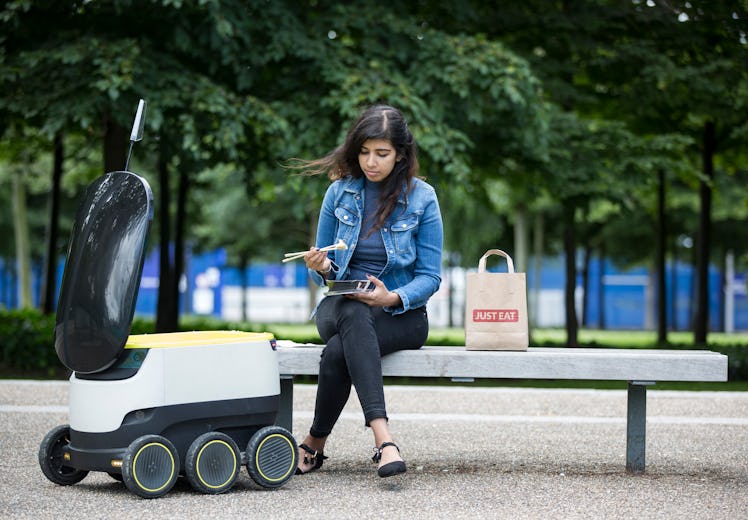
634	338
543	337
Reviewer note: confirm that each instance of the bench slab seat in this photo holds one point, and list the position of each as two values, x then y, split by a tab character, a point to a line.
639	367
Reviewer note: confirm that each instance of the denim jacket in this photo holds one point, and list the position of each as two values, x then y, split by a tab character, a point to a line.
412	238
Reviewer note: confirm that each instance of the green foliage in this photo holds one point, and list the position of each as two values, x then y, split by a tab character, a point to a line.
737	361
248	226
529	107
27	342
482	224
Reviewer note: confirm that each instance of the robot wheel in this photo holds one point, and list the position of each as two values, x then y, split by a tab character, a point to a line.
272	456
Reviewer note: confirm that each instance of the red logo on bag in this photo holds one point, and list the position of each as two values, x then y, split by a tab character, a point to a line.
508	315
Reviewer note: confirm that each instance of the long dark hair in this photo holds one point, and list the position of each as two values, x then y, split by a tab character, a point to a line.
376	122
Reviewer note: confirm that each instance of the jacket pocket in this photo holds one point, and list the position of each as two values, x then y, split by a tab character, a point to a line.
347	225
346	217
403	233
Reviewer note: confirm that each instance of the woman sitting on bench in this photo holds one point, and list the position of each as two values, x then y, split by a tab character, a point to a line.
390	221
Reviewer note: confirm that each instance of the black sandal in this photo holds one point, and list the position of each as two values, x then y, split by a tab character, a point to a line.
315	457
391	468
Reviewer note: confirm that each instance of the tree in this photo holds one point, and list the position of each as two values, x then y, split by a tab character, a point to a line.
49	285
107	66
513	108
23	170
602	58
686	58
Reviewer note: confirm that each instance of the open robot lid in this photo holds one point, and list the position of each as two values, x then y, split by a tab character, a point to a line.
102	273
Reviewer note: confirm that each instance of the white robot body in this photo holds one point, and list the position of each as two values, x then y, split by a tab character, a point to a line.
178	368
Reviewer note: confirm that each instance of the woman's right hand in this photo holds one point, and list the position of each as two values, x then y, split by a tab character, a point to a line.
317	260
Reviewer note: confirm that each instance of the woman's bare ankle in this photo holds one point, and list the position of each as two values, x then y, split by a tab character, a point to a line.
315	443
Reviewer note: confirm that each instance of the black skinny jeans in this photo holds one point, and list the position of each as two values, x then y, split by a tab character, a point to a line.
357	336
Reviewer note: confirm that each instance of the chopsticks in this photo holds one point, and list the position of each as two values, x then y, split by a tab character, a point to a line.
300	254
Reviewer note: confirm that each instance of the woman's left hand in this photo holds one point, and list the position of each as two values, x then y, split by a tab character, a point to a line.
379	297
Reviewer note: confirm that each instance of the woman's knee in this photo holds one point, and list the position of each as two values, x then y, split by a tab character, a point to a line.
332	361
353	311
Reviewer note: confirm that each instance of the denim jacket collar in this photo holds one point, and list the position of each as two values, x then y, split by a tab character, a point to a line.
356	186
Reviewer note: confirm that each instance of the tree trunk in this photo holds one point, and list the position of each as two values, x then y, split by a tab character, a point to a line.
674	288
451	264
692	290
722	292
115	144
521	239
571	276
49	284
164	310
23	246
537	264
701	319
179	244
661	297
586	285
568	208
601	289
728	320
243	267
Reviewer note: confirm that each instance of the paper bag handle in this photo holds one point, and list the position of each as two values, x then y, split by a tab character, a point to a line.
482	262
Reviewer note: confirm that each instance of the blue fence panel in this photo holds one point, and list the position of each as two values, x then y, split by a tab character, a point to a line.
147	301
626	297
741	302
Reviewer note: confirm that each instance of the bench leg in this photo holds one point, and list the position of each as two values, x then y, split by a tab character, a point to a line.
636	426
285	411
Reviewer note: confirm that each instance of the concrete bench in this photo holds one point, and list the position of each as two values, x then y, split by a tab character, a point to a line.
639	367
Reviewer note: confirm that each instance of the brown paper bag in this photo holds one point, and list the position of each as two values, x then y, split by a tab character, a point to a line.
496	308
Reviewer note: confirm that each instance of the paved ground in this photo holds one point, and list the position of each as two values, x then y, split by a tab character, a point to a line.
472	453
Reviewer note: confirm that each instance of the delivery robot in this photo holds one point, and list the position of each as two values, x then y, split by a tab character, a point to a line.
147	409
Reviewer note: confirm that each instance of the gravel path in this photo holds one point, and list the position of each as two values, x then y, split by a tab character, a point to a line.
471	453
